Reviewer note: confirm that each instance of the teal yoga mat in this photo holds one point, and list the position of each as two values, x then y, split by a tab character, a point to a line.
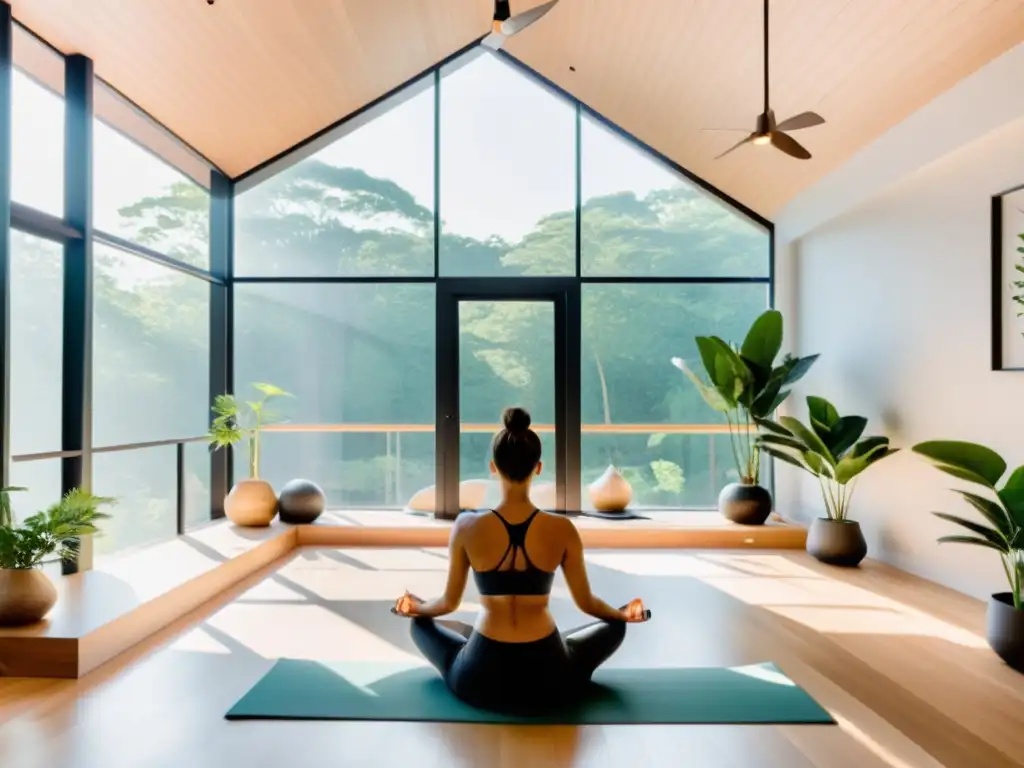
311	690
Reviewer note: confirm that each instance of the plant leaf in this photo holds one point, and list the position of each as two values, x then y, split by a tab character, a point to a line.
977	460
962	474
991	511
990	535
851	466
656	439
808	436
772	426
1012	496
845	432
271	390
797	459
765	399
796	368
968	540
712	396
764	339
822	410
781	441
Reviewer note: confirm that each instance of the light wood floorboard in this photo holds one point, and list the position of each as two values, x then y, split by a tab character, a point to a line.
901	664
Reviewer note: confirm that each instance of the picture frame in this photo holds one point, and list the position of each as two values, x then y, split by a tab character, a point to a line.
1008	280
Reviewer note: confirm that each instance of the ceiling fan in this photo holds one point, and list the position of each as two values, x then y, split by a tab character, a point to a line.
767	131
505	24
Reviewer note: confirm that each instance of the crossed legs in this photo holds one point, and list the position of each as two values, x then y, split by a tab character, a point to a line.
588	647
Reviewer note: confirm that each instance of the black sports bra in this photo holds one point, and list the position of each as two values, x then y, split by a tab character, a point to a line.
510	581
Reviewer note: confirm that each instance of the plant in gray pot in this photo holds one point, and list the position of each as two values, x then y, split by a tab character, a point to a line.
1002	531
831	449
746	385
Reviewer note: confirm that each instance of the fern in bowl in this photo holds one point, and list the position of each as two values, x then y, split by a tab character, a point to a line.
53	535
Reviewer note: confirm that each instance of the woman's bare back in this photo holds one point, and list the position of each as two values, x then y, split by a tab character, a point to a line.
516	618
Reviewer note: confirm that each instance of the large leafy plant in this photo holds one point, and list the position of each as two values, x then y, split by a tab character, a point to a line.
1001	508
232	422
830	448
51	535
746	385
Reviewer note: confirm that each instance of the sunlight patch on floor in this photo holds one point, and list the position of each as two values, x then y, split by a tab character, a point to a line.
657	564
874	621
873	746
344	582
764	674
303	632
761	565
199	641
768	590
396	559
270	590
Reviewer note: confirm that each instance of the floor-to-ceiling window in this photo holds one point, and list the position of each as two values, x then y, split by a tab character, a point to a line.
334	302
148	340
151	347
477	174
662	262
36	283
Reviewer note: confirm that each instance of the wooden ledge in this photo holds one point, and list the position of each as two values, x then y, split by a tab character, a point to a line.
103	612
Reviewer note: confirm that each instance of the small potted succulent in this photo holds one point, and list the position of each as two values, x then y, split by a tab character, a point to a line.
53	535
252	501
746	385
831	449
1002	509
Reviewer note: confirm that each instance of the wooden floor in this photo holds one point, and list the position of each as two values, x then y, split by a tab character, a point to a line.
901	664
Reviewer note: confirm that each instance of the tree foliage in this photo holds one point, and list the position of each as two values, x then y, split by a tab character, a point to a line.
365	353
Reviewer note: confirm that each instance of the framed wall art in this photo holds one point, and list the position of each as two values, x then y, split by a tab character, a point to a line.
1008	280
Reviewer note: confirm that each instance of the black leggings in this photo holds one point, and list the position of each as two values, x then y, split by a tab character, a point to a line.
519	678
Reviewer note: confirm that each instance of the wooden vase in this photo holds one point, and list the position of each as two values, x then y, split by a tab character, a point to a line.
252	503
26	596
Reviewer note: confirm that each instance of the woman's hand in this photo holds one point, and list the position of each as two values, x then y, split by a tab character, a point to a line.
634	612
408	605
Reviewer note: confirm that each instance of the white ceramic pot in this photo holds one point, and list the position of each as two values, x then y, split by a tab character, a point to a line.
611	492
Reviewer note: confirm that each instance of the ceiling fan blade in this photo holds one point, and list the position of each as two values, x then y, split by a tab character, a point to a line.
789	145
521	21
494	41
737	145
803	120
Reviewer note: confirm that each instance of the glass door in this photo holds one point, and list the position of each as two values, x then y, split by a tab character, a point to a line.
501	344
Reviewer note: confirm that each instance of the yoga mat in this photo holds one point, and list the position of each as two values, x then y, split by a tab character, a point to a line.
312	690
627	515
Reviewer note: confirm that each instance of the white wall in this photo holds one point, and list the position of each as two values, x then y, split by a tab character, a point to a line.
894	290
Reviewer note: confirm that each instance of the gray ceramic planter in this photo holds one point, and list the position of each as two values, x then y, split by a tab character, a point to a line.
1006	630
836	542
745	504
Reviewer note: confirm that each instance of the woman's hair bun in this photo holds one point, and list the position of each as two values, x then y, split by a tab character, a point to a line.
516	419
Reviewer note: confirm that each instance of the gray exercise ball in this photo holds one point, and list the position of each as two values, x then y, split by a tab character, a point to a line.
300	501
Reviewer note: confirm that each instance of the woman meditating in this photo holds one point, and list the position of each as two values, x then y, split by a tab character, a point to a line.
515	660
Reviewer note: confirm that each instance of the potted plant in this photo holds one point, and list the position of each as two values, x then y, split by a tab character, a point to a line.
252	501
746	385
26	594
829	450
1003	531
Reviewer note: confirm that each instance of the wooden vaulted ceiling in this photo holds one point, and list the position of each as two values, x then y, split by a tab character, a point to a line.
243	80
